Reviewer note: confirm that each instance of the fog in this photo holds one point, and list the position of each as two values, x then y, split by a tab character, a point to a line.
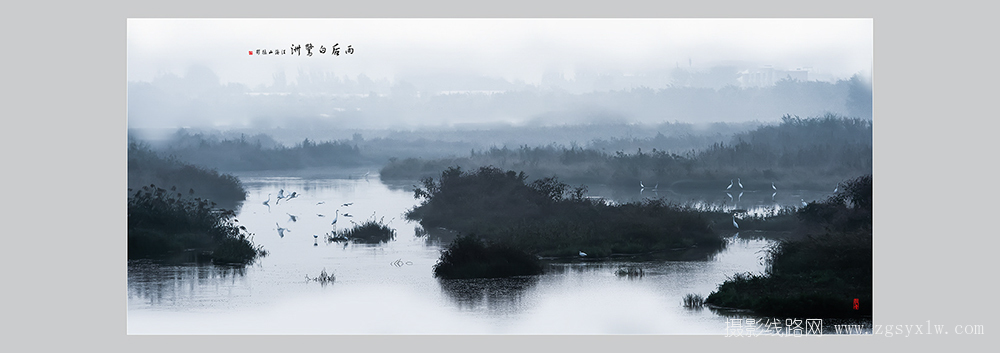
407	74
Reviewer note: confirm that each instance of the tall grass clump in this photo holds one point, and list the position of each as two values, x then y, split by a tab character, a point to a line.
470	257
693	301
371	232
162	223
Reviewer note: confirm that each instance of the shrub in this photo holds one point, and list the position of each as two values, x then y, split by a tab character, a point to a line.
470	257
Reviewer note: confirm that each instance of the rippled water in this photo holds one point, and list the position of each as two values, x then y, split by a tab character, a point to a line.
389	288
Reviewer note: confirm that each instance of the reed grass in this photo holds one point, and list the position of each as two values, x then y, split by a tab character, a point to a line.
370	231
693	301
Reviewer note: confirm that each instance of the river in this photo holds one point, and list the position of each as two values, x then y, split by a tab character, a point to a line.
389	288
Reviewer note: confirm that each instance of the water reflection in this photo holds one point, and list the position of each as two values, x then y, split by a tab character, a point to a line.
156	283
395	279
501	296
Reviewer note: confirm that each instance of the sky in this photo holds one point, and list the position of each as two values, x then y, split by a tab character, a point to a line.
511	49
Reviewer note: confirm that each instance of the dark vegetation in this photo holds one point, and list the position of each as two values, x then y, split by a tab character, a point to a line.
548	218
260	152
470	257
802	153
693	301
821	273
181	223
146	167
369	232
165	224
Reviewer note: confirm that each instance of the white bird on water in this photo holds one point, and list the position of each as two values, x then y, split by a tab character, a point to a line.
641	186
772	186
730	184
583	254
734	222
334	223
836	188
268	200
739	182
803	202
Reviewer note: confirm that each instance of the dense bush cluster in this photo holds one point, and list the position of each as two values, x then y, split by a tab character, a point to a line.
470	257
163	223
549	218
821	273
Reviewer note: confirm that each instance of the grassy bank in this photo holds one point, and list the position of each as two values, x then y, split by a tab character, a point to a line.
162	224
822	272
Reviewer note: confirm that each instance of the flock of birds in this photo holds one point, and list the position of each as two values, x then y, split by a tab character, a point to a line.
732	182
294	218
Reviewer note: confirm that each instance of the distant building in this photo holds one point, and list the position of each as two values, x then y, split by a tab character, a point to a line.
768	76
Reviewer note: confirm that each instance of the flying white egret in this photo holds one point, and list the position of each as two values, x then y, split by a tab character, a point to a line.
739	182
321	202
737	225
347	204
583	254
730	184
281	231
281	195
348	215
293	195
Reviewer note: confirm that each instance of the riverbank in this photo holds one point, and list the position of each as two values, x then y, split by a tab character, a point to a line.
825	272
